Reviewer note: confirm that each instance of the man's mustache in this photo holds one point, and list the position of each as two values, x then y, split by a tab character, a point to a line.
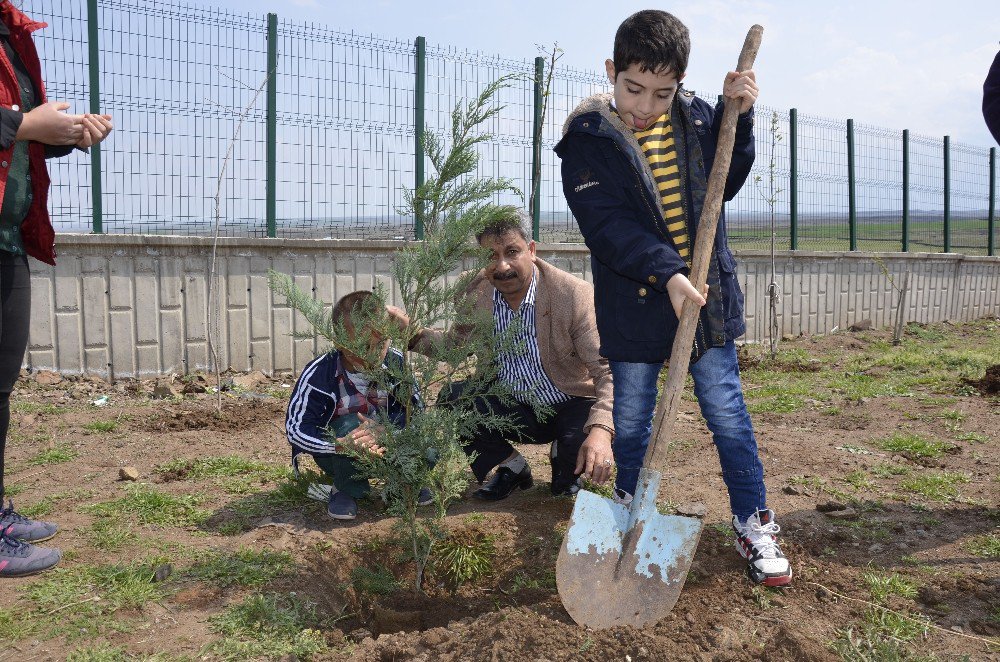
510	275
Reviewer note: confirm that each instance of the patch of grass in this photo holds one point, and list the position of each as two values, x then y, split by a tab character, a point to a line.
108	535
973	437
606	490
14	626
814	482
101	653
881	586
546	581
267	626
96	593
144	504
101	426
221	467
859	480
461	559
245	567
48	503
779	404
56	455
22	407
11	491
376	581
287	494
914	446
888	470
987	546
936	487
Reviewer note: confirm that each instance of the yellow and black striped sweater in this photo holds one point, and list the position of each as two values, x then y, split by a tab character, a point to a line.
657	143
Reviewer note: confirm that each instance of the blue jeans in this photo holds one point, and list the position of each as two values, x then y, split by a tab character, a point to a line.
720	395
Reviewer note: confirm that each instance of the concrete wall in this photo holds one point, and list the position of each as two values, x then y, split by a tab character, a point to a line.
137	306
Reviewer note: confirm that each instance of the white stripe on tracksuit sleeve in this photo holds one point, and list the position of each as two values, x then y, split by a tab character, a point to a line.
310	410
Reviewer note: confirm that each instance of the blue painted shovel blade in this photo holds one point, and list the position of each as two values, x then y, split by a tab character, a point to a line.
624	566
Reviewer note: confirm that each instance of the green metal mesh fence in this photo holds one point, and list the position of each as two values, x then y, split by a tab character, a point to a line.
177	77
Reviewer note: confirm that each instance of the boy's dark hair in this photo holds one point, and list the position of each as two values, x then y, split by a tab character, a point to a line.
516	221
349	305
653	39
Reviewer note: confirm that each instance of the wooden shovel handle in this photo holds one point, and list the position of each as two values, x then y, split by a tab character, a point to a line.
680	354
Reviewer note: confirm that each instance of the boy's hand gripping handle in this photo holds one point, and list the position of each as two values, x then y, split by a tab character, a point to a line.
680	354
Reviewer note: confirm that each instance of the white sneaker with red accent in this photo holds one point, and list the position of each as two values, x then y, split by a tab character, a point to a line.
757	542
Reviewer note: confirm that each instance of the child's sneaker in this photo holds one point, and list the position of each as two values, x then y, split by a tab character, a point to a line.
426	497
757	542
342	506
21	528
20	558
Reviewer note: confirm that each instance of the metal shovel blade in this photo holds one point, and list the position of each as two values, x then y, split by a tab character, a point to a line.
624	565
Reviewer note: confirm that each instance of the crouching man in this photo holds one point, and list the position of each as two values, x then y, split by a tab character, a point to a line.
560	364
334	405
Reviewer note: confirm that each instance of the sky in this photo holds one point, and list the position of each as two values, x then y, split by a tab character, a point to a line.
913	64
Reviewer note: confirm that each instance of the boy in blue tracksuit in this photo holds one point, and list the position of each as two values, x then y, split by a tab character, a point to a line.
333	406
635	168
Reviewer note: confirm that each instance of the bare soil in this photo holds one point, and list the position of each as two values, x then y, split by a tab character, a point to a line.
514	612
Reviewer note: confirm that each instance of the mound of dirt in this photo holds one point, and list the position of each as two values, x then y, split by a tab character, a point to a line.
203	415
989	384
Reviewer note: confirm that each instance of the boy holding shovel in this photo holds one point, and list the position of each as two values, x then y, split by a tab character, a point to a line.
635	167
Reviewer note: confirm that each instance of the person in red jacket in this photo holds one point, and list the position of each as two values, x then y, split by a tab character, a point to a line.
31	130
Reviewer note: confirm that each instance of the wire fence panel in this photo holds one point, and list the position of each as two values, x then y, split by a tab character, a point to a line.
186	84
345	136
879	188
823	184
970	181
926	194
764	197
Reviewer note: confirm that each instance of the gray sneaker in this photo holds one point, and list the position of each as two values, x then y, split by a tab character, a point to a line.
20	527
342	506
20	558
426	497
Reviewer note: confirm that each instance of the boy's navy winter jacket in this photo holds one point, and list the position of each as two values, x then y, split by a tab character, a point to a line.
611	191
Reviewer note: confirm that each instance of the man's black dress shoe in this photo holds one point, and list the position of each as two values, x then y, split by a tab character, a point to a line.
504	482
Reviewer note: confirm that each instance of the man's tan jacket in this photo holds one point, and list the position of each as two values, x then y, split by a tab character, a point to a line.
567	336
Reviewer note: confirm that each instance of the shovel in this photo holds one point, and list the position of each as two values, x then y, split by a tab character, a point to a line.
626	565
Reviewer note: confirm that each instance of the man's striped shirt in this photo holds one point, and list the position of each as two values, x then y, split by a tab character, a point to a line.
657	143
523	370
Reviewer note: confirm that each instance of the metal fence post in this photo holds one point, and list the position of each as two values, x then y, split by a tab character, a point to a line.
906	190
852	218
536	150
947	194
94	63
793	184
992	219
419	92
272	125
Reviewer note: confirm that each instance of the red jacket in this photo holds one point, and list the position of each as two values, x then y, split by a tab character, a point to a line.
37	234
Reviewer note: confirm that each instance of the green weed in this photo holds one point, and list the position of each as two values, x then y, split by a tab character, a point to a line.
887	470
936	487
143	504
973	437
267	626
245	567
779	404
221	467
914	446
461	561
48	503
882	586
101	426
57	455
859	480
987	546
101	653
22	407
107	535
376	581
